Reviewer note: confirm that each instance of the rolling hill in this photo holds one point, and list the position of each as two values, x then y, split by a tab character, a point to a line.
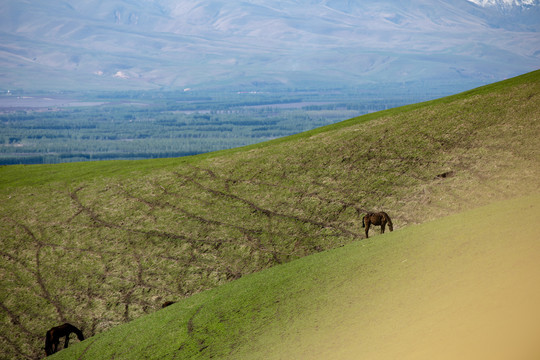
462	287
100	244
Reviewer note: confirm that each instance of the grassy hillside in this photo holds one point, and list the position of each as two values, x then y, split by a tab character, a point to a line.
100	244
464	287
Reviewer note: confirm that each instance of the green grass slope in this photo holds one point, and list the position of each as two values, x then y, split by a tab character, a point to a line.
100	244
463	287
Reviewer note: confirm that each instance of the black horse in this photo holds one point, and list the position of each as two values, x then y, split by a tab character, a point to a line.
52	338
379	219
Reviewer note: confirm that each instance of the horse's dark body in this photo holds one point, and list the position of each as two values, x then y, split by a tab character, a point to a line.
379	219
52	338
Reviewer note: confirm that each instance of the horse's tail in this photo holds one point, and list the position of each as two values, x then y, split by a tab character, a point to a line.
390	225
49	343
363	222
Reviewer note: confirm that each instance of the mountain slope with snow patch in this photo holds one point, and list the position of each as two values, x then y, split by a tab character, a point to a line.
166	43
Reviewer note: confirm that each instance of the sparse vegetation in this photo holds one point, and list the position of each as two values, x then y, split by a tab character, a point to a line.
101	243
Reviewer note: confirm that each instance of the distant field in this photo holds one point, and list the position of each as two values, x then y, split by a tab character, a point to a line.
55	128
463	287
100	244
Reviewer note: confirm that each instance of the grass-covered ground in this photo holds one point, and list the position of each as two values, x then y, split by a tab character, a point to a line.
462	287
101	244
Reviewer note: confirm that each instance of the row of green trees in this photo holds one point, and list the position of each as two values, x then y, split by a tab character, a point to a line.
165	128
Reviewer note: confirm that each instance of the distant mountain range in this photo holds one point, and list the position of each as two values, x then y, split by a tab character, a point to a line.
121	44
505	3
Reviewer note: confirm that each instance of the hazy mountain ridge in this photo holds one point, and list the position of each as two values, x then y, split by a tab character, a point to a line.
164	43
505	3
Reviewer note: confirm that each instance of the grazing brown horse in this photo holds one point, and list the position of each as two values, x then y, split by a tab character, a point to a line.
380	218
52	338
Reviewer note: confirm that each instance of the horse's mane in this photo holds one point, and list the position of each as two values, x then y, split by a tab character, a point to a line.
78	332
387	218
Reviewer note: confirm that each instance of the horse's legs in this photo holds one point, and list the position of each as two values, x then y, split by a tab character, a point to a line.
67	341
383	224
367	228
56	342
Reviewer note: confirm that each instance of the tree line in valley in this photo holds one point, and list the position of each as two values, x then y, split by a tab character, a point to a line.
139	125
